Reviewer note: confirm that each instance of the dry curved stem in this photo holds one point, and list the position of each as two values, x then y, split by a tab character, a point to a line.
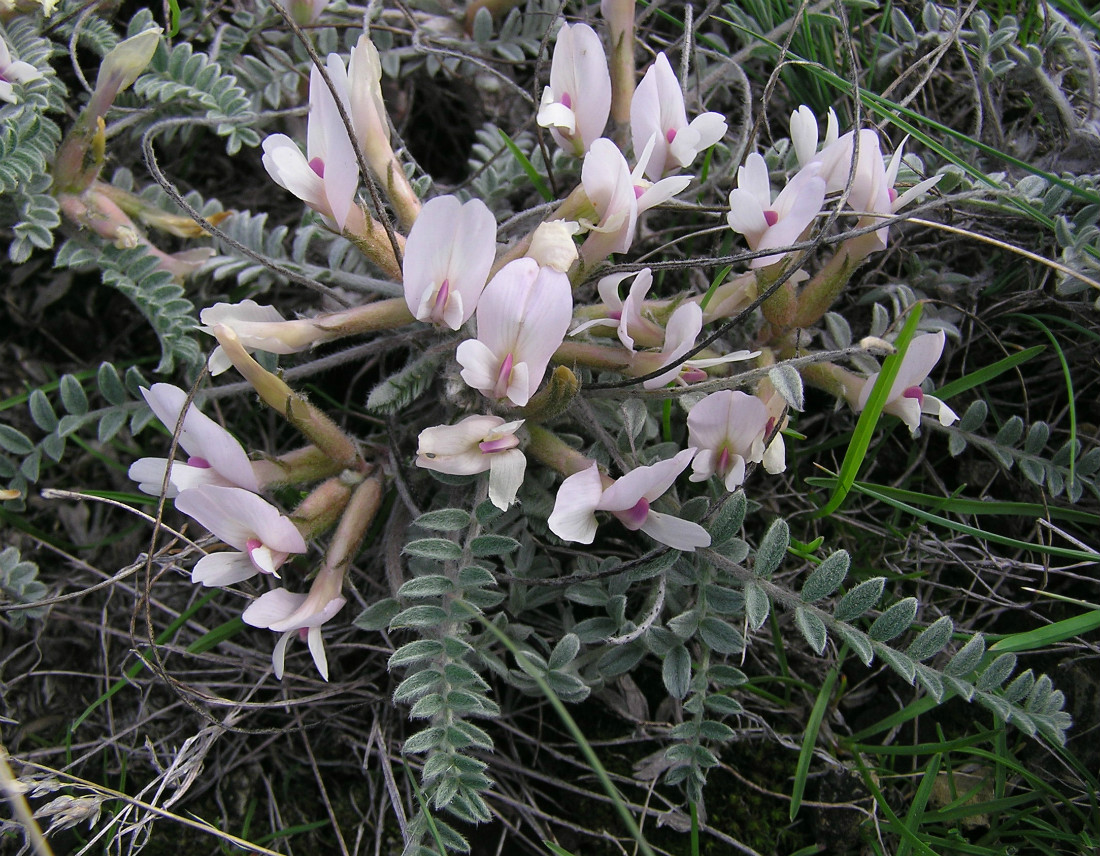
1012	248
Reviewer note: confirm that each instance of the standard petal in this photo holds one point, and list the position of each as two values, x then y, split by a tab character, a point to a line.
708	419
574	514
223	569
428	250
676	533
920	358
544	321
645	121
504	305
236	516
746	216
647	483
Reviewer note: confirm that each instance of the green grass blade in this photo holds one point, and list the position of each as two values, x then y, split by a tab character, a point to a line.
964	505
920	801
988	373
582	742
1048	550
1042	637
540	185
868	419
1070	398
806	754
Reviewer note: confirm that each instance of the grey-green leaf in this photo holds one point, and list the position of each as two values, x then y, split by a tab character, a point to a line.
860	599
894	621
757	605
434	548
812	627
72	395
931	640
826	577
772	549
444	520
676	672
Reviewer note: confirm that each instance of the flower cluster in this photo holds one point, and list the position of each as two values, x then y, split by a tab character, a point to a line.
506	308
218	487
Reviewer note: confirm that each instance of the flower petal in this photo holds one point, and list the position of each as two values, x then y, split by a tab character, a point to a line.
223	569
676	533
505	477
574	514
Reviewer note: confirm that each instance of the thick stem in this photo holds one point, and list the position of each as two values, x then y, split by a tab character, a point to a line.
549	449
315	425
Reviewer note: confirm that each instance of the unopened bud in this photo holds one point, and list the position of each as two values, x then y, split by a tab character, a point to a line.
552	244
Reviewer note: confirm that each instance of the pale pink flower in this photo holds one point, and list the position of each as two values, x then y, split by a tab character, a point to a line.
214	455
259	327
769	224
872	189
449	252
729	428
626	314
327	176
474	445
302	614
804	133
682	330
576	104
522	319
13	71
906	400
657	112
583	494
263	537
619	197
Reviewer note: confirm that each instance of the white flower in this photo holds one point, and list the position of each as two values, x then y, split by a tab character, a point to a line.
728	428
327	176
576	104
215	456
657	112
626	315
260	328
804	133
768	224
290	614
583	494
619	197
680	334
522	319
474	445
13	71
906	400
263	537
448	255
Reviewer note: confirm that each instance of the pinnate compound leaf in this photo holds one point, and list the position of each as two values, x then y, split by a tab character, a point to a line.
860	599
826	577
